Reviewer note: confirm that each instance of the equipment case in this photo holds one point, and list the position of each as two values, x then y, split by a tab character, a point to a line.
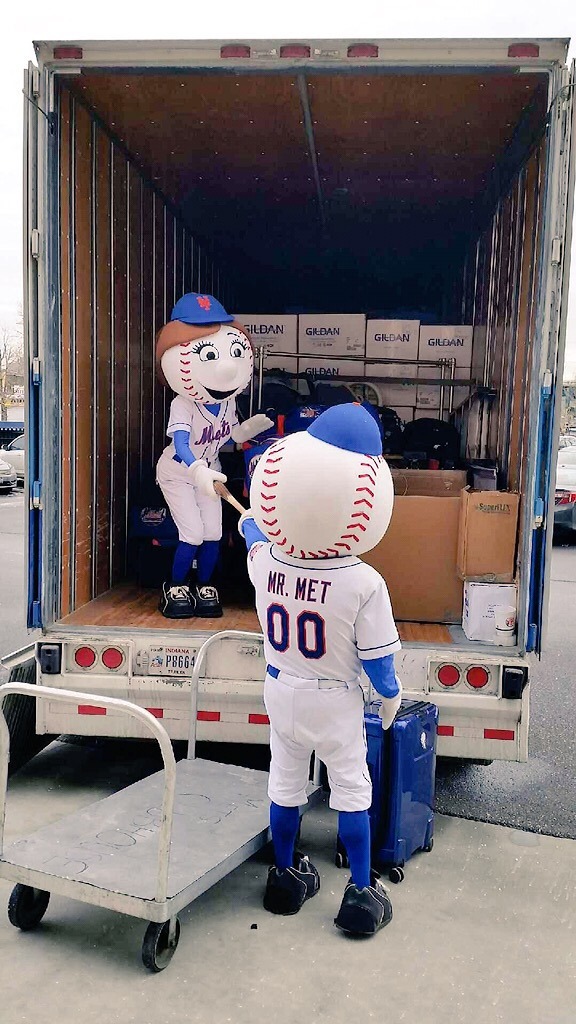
402	766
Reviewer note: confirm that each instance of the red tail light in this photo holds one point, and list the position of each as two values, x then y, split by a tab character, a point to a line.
565	498
362	50
294	50
85	657
523	50
234	51
448	675
112	658
477	677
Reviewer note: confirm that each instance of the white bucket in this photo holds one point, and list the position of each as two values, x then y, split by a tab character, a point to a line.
505	625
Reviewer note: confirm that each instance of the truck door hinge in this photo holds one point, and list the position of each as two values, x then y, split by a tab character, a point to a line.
36	371
547	384
36	495
538	513
556	252
35	82
35	244
532	637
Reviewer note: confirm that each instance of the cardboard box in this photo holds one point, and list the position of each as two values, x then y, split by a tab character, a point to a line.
428	395
480	599
417	556
330	369
389	339
446	342
429	482
333	334
392	395
487	535
278	333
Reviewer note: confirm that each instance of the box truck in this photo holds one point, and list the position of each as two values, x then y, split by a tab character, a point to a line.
426	180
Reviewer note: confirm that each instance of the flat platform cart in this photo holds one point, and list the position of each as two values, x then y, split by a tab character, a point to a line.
150	849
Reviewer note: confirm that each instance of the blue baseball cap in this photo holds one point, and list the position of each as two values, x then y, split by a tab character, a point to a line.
195	308
350	427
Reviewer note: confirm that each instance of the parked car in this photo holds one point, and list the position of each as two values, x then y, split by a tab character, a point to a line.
566	441
7	477
15	454
565	498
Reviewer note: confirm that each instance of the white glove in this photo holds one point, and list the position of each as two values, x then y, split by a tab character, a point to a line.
251	428
204	478
389	707
248	514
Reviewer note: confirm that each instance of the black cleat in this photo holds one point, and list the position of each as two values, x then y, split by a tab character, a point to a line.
287	890
364	911
177	601
207	602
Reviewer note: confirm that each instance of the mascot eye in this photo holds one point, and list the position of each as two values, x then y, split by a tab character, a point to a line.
237	349
205	351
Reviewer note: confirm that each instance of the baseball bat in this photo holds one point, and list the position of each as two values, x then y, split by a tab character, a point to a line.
224	493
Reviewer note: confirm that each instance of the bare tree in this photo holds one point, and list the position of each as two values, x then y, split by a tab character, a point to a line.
11	367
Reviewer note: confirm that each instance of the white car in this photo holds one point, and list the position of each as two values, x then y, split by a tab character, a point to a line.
565	497
7	477
15	454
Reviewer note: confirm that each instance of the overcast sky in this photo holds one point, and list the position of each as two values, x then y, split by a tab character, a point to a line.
110	19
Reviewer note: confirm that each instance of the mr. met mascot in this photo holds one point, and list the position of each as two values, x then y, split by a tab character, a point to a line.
318	500
205	356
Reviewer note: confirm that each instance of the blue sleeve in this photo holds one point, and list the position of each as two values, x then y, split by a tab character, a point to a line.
252	534
182	446
380	672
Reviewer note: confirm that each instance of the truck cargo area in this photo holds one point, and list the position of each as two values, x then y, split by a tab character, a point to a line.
394	192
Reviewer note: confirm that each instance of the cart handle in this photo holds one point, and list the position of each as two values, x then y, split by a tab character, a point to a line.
240	634
151	723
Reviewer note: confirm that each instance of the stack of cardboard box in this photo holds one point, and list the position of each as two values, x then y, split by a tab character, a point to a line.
444	540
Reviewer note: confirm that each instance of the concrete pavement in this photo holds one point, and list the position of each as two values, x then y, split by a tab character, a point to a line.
482	932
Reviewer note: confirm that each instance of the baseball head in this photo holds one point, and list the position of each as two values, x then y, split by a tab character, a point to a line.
203	352
326	491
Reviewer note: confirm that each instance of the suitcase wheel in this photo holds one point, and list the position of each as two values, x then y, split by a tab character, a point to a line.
429	846
396	875
341	857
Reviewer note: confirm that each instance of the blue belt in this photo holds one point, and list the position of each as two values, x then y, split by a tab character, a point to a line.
323	684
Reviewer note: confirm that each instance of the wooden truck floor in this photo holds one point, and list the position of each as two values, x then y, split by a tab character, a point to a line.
130	606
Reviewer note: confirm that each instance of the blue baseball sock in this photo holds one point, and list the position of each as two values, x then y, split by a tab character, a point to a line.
207	558
183	558
284	822
354	831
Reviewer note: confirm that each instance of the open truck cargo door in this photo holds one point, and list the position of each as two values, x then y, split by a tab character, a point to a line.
549	354
32	241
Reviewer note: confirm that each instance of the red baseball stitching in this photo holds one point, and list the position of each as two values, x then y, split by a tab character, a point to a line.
364	501
267	510
356	526
359	515
269	522
360	490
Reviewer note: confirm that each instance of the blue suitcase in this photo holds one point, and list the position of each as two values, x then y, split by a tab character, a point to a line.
402	766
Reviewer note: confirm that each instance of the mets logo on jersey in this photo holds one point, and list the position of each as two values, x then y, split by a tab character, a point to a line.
209	434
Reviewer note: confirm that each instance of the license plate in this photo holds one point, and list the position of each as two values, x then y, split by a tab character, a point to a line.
170	661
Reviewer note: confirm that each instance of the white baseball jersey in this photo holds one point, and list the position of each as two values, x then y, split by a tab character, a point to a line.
321	617
208	432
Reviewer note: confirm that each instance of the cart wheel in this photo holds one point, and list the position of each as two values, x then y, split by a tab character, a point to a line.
157	950
27	906
396	875
429	846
